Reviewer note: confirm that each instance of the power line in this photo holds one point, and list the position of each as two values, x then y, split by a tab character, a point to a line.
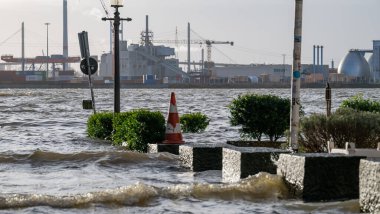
14	34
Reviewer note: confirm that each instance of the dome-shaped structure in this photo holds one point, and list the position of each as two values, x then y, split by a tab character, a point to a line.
370	62
354	65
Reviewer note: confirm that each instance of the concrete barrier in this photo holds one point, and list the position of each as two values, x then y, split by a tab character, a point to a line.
369	186
241	162
201	157
320	177
170	148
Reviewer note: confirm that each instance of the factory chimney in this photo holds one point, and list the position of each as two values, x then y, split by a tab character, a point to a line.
314	59
65	35
147	31
322	55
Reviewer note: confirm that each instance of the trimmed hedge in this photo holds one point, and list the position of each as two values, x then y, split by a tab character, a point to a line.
345	125
136	128
100	125
260	115
140	128
118	136
194	122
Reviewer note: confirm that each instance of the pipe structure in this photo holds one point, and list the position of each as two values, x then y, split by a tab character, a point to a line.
188	48
65	35
296	77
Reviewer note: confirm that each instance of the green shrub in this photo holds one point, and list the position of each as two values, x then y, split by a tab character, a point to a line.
361	128
140	128
260	115
194	122
345	125
118	136
100	125
358	103
313	133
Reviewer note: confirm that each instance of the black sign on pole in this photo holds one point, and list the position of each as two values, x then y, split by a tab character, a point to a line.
93	66
88	66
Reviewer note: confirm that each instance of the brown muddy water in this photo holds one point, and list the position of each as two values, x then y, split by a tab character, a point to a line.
49	165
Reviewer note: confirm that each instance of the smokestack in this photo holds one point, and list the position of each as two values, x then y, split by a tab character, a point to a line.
332	64
314	59
23	47
65	35
322	56
147	31
318	57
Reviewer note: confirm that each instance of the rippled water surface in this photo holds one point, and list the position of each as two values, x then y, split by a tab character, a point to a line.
48	165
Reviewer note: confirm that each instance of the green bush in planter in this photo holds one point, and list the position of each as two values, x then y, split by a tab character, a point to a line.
100	125
358	103
359	127
194	122
260	115
118	136
344	125
140	128
314	134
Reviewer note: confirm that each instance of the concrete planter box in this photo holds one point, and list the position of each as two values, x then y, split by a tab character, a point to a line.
266	144
170	148
369	186
320	177
241	162
201	157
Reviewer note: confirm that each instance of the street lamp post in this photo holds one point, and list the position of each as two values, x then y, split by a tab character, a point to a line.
47	48
116	4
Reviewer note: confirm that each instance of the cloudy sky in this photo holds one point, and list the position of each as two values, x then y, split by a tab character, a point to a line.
261	29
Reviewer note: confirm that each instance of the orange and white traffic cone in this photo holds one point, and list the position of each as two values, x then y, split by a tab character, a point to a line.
173	133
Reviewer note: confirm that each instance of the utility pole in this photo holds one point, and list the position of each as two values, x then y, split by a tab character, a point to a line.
188	48
23	47
296	77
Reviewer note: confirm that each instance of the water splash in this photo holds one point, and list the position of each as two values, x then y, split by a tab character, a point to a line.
258	187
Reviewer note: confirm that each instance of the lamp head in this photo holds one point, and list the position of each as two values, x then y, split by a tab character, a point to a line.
117	3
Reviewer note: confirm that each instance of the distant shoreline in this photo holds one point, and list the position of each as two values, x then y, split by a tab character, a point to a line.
58	85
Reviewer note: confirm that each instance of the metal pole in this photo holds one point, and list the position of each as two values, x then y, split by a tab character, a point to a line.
90	82
322	68
188	47
328	99
47	48
296	81
314	63
65	36
116	24
23	46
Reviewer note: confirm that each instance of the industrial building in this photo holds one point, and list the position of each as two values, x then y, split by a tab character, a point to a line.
354	67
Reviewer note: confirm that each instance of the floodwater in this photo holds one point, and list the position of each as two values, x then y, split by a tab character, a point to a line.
49	165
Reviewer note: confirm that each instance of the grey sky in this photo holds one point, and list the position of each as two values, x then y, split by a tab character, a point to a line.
261	29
